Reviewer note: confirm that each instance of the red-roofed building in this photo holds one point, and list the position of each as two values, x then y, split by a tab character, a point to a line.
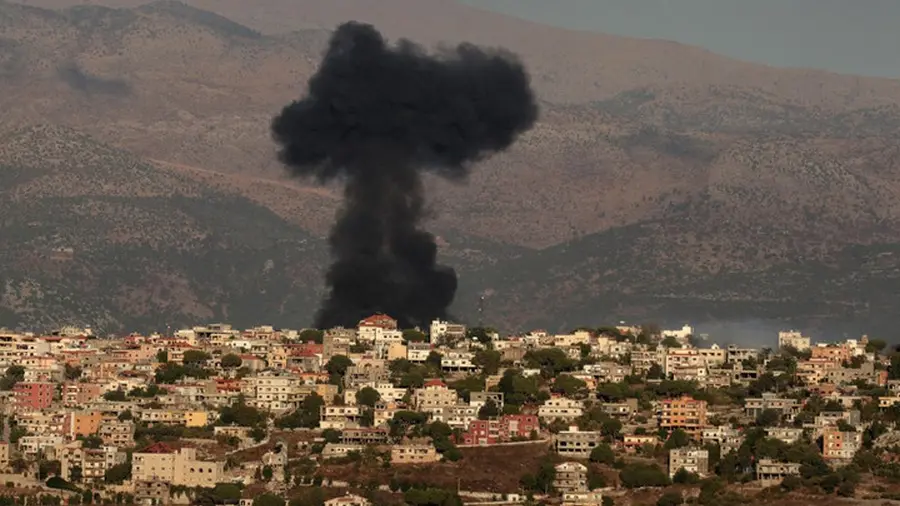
379	320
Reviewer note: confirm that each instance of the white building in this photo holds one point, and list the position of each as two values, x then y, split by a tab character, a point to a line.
680	334
441	329
793	339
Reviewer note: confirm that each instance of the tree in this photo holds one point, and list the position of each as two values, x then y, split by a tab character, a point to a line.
231	361
551	361
670	342
670	499
569	386
115	396
434	359
338	365
488	410
307	415
367	396
488	361
655	372
162	356
611	428
226	492
73	372
13	375
268	499
483	335
414	336
75	473
92	441
685	477
118	473
311	335
768	418
595	479
125	416
639	475
677	439
876	346
603	454
195	358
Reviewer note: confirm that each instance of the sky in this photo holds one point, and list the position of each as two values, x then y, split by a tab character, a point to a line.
847	36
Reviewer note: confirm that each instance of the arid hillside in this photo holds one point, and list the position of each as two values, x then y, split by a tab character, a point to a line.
660	180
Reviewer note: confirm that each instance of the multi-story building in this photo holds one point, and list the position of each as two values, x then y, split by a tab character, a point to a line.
458	361
160	462
418	352
273	391
682	358
571	477
643	360
725	436
93	462
574	443
369	329
793	339
458	416
714	356
787	407
833	353
508	427
4	457
83	423
787	435
608	372
79	394
339	417
737	354
434	396
684	413
838	445
620	409
151	493
692	460
117	433
442	330
479	399
413	454
771	472
34	396
560	408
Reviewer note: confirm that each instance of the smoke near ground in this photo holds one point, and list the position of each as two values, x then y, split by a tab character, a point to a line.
76	78
375	117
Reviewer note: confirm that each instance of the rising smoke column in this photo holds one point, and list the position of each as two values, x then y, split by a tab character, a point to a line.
375	116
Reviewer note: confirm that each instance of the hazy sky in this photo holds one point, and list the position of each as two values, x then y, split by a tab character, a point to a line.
850	36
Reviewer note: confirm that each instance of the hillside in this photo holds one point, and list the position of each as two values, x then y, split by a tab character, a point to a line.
660	180
94	236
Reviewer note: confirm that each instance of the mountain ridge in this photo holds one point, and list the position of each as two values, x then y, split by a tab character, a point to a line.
698	184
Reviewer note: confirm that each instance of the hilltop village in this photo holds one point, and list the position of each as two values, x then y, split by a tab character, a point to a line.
446	415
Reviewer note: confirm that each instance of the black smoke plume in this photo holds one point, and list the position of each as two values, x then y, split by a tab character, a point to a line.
375	116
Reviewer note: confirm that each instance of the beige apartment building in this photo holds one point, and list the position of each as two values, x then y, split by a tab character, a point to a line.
160	462
413	454
275	392
434	396
560	408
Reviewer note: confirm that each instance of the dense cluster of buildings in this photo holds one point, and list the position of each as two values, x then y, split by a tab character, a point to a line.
90	403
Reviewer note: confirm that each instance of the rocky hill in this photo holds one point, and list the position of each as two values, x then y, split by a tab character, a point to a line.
662	180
